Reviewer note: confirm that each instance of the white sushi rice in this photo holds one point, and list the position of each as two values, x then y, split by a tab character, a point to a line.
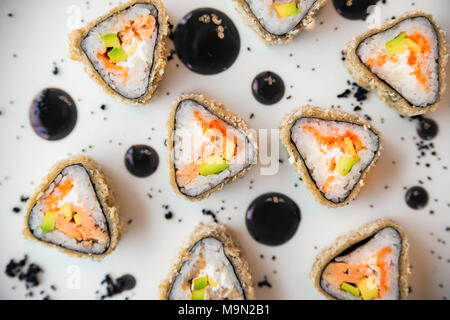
188	139
269	19
210	252
399	75
139	63
81	195
317	162
366	254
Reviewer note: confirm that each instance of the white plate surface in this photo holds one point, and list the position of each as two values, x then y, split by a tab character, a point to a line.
37	36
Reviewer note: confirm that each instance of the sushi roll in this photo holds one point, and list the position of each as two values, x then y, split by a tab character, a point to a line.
278	21
75	210
208	146
125	51
209	267
403	62
370	263
331	150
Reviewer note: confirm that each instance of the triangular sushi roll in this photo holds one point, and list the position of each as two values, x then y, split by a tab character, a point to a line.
403	62
278	21
209	267
331	150
125	51
367	264
208	146
74	210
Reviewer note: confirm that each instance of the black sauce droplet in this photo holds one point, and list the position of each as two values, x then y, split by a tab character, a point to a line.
126	282
416	197
207	41
353	9
141	160
53	114
113	287
272	218
168	215
268	88
427	128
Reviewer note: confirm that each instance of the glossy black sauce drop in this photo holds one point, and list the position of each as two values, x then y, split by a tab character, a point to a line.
125	282
416	197
427	128
207	41
141	160
353	9
268	88
53	114
272	218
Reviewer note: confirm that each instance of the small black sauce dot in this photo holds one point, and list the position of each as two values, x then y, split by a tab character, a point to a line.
125	282
353	10
416	197
207	41
268	88
168	215
53	114
141	160
427	128
272	219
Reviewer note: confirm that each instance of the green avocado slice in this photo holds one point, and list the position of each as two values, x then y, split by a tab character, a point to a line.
200	283
345	164
286	9
117	55
111	40
347	287
396	45
198	294
212	165
49	221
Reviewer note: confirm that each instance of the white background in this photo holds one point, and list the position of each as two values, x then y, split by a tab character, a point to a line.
38	35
